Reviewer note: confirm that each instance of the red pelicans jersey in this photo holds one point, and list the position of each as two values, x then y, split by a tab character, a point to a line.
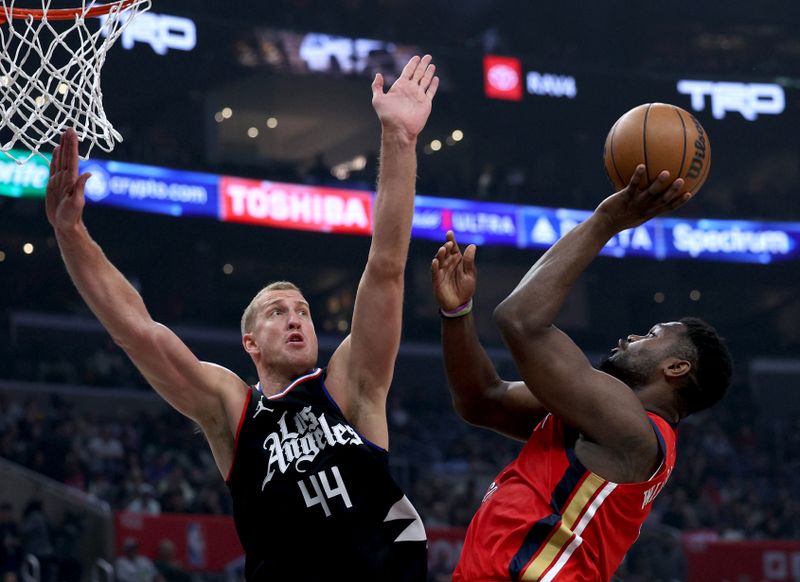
548	518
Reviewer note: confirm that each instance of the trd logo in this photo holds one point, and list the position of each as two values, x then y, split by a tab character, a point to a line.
161	31
749	99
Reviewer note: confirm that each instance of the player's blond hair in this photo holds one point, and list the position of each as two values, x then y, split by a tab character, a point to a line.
249	314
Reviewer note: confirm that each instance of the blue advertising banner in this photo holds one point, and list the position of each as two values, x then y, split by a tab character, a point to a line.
473	222
731	240
180	193
152	189
541	227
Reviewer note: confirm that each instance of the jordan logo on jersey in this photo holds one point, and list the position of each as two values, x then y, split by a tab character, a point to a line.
308	436
261	408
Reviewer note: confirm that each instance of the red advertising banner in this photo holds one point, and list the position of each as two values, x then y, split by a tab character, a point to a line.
444	550
753	561
295	206
202	542
502	77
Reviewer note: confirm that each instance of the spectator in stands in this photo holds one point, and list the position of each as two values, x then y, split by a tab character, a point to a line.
106	450
131	566
144	501
168	566
36	538
67	541
10	554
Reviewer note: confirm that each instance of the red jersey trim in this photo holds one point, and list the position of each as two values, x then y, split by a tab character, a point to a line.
238	431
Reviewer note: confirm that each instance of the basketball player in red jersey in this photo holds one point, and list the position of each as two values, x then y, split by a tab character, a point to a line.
600	443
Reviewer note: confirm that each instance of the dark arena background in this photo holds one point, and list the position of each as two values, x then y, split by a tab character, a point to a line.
235	113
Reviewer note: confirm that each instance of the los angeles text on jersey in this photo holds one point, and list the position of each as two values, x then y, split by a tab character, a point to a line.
310	436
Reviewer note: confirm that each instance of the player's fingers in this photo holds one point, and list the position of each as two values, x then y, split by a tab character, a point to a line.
661	183
422	67
434	269
377	84
680	200
469	258
636	179
69	153
54	161
80	184
411	66
427	77
431	91
454	248
674	191
451	240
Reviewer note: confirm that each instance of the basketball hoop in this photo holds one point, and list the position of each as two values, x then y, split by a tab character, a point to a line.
50	63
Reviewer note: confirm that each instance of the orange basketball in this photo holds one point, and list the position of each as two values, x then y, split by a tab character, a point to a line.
662	137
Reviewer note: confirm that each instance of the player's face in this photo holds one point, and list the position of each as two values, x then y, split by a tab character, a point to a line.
636	357
284	332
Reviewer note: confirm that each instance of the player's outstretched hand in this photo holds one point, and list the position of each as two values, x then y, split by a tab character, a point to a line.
407	104
634	205
64	199
453	275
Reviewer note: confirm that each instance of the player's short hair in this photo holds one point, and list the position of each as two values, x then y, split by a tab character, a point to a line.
712	365
249	314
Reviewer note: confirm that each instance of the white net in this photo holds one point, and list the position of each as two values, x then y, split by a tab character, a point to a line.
50	67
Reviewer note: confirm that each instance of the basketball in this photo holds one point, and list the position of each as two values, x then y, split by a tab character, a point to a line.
662	137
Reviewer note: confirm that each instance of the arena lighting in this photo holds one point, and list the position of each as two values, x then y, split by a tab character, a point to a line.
227	268
659	297
2	256
218	117
695	295
227	112
27	248
272	122
252	132
436	145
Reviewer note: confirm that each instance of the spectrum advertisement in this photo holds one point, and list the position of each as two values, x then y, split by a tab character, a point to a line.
343	211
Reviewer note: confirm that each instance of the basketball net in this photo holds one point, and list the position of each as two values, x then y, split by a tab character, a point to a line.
50	63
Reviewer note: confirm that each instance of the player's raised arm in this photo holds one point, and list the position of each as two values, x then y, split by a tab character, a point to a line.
479	395
361	369
195	389
603	408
